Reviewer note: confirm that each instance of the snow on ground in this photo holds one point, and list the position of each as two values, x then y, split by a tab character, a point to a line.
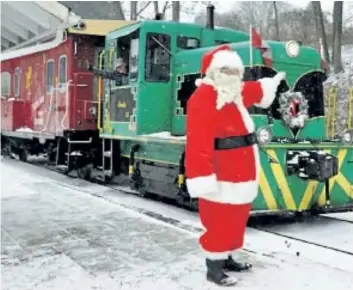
57	234
165	135
344	82
342	216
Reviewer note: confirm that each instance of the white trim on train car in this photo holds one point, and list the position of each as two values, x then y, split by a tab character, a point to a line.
17	82
62	84
47	90
59	39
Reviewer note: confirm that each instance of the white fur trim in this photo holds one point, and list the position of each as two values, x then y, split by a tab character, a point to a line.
269	88
208	187
225	58
234	192
216	255
199	186
198	82
248	121
205	80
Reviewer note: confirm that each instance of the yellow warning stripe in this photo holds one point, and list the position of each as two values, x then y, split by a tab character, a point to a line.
308	195
267	192
341	156
282	181
346	185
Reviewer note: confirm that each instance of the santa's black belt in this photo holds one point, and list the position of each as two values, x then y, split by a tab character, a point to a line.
235	142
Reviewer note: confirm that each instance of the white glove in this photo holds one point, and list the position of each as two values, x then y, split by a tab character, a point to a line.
279	77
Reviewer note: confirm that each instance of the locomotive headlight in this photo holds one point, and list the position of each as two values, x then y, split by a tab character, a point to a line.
292	48
264	135
347	136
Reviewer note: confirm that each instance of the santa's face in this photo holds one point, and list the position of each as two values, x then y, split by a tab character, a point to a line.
227	82
226	76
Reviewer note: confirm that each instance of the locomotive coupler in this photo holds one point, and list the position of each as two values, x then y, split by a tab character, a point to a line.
311	164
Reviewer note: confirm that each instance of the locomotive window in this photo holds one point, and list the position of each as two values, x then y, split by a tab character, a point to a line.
50	76
219	42
133	64
5	84
157	57
17	81
62	71
184	42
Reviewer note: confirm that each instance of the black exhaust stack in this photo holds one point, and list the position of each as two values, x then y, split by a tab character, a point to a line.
210	16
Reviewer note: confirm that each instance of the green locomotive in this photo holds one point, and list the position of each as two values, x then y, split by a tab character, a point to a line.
142	120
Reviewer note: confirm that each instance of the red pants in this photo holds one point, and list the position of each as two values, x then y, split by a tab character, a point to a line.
225	227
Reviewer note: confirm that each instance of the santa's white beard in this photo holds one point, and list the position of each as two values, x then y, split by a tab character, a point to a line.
228	88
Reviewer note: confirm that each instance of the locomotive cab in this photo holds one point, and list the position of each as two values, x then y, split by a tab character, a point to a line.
150	49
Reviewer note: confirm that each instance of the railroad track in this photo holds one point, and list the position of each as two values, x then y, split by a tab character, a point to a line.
317	244
279	226
338	219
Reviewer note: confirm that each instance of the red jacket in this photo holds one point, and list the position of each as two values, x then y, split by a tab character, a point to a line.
226	176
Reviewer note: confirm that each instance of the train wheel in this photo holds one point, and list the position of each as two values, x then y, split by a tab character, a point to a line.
51	154
194	204
23	155
85	172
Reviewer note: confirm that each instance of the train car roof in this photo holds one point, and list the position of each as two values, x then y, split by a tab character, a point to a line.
92	27
100	27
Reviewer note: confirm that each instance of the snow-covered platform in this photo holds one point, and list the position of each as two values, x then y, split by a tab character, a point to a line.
56	236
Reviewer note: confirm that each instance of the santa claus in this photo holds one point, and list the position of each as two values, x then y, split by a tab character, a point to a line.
221	156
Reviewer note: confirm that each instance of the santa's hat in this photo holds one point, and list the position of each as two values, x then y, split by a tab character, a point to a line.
222	56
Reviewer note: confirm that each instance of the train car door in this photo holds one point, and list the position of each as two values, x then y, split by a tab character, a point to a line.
85	107
120	98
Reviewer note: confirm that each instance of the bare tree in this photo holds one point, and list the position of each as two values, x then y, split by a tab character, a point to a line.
337	26
320	27
276	20
162	13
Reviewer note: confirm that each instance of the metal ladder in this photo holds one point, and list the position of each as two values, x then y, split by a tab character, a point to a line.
67	166
107	163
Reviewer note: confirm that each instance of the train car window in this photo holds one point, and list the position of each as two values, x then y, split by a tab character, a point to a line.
5	84
50	76
17	81
62	71
157	57
184	42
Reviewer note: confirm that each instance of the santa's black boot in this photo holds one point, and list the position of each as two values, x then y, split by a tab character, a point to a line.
231	265
216	275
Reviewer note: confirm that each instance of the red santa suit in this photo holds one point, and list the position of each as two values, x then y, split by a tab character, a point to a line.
225	181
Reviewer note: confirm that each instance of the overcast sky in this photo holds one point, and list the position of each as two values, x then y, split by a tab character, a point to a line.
223	6
325	5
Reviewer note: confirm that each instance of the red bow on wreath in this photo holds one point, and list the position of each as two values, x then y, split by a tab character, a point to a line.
294	107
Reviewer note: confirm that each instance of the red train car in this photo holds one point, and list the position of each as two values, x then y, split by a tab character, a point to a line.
49	98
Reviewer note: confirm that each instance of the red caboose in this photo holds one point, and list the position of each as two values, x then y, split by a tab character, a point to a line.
49	98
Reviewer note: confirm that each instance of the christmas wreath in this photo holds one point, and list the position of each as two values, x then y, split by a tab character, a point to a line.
294	109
